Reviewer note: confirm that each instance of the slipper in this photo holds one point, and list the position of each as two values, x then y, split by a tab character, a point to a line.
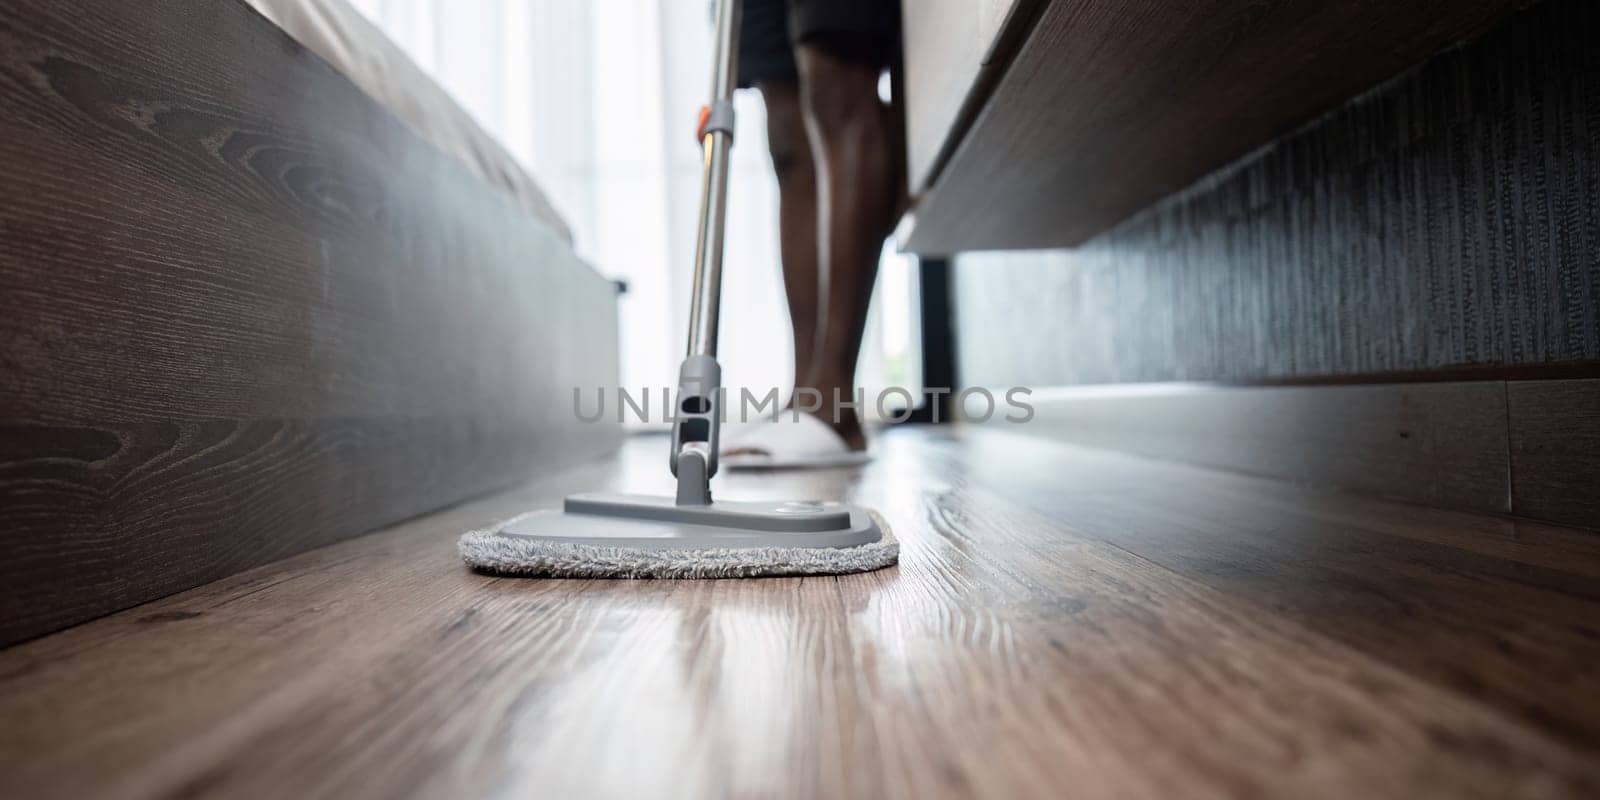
789	443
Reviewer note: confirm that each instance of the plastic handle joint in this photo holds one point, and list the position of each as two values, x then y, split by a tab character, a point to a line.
716	117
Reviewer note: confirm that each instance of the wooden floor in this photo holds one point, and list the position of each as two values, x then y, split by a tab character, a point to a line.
1064	622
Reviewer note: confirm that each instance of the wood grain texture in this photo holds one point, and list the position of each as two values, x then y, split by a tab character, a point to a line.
245	312
1062	620
1448	220
1555	450
1441	444
1111	106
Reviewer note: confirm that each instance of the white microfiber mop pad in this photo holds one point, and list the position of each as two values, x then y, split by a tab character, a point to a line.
488	551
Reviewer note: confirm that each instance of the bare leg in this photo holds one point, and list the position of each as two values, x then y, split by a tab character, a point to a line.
797	220
850	131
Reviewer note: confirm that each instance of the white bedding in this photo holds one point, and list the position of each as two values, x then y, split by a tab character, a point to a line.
355	47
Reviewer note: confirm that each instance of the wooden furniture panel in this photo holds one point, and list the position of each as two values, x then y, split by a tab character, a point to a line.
954	52
1108	107
1438	224
992	15
1062	619
943	55
1555	450
245	312
1442	444
1524	447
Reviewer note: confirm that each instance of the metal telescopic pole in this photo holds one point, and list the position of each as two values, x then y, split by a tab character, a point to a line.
698	412
715	143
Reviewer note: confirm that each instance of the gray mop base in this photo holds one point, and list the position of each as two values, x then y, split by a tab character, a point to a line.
490	551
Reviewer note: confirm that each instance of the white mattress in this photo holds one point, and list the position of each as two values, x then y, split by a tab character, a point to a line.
354	46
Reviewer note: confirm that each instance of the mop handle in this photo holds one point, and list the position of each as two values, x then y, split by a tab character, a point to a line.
716	139
695	431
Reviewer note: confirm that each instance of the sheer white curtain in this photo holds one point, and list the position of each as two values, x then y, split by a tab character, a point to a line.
598	100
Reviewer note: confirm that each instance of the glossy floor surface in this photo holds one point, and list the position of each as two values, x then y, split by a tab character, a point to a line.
1064	622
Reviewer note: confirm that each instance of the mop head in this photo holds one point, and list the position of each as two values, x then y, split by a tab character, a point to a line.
488	551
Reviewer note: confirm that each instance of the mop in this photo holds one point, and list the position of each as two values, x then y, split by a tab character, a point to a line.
602	535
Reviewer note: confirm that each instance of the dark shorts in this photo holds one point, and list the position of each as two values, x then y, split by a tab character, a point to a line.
772	28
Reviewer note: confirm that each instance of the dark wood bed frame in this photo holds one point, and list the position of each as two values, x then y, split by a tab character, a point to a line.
244	311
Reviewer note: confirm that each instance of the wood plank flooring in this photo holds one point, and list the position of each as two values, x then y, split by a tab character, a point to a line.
1064	622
